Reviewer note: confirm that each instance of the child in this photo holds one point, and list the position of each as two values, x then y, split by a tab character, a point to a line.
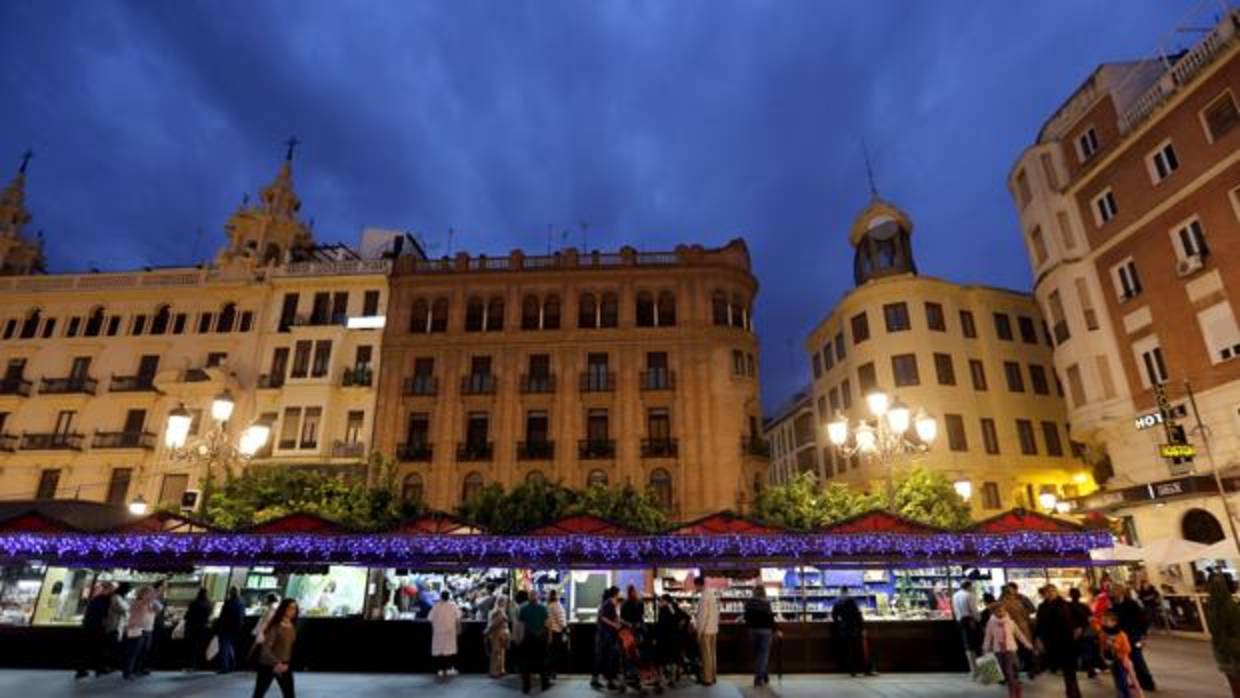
1004	638
1116	649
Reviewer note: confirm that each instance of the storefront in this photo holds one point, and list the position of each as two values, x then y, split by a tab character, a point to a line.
364	596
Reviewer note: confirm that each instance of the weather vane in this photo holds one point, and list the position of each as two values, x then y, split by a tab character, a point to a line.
292	143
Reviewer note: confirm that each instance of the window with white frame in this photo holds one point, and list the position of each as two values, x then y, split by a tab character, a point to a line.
1189	239
1087	144
1162	162
1104	207
1218	327
1150	363
1127	281
1220	116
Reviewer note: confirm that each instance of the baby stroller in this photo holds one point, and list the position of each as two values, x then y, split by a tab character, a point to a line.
639	656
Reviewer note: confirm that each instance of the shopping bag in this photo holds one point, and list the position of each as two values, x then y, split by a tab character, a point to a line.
987	671
178	633
213	648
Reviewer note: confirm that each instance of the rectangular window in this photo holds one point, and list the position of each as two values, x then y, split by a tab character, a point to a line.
310	427
1038	247
833	396
934	317
1162	162
944	369
738	362
114	325
1050	434
1127	280
1220	116
1015	380
320	309
1150	363
1104	374
279	367
867	380
828	357
1087	304
75	324
904	370
1189	240
118	486
49	328
1024	431
896	316
1066	236
967	327
178	323
658	424
301	359
1076	386
288	311
1048	171
596	425
1037	378
839	346
353	426
990	496
322	358
956	440
247	321
172	490
1218	327
417	432
49	481
340	307
536	427
1003	326
1028	332
816	360
216	358
1087	144
290	427
80	368
846	394
370	303
1054	309
860	328
1023	193
990	437
1104	207
204	323
977	372
540	364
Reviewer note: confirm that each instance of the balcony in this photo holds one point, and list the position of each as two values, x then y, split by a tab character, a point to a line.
348	449
270	381
660	448
538	383
478	384
535	450
15	386
51	441
595	449
132	384
658	379
66	386
8	442
414	452
474	451
421	385
598	381
124	439
755	446
357	377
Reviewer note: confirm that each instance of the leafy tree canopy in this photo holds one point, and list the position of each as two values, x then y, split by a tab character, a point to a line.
535	502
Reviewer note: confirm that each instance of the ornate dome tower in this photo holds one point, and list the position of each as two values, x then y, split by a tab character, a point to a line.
268	232
881	237
18	253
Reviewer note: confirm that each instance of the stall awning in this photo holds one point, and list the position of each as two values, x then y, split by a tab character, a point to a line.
582	524
879	521
298	523
34	522
165	521
725	522
436	523
1018	520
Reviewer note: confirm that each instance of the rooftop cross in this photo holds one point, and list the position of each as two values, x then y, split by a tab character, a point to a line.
292	143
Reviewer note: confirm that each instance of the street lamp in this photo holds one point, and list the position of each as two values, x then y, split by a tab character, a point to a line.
222	406
887	435
1048	500
138	506
964	488
214	449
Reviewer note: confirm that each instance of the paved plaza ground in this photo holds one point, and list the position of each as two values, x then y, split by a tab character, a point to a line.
1183	668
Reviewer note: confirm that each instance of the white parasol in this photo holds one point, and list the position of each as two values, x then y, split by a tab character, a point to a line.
1171	551
1222	550
1118	553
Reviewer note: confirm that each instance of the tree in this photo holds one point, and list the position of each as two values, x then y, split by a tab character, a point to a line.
927	497
534	503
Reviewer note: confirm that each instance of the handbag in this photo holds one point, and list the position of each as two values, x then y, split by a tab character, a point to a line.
213	647
987	671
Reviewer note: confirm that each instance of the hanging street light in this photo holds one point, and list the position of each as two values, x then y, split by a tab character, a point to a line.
894	431
215	450
138	506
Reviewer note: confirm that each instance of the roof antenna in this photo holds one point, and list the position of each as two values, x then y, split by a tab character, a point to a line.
451	232
584	228
25	160
292	144
869	170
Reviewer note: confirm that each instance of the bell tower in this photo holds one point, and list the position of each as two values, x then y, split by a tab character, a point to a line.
269	231
880	236
18	253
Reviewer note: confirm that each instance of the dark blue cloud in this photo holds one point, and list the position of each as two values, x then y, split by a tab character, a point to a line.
656	122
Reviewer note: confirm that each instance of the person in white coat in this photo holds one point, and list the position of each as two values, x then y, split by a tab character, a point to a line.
445	620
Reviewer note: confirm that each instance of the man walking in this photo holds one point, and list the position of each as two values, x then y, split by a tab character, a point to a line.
533	617
1058	631
95	644
850	632
968	616
706	624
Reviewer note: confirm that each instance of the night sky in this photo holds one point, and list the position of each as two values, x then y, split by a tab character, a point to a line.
654	122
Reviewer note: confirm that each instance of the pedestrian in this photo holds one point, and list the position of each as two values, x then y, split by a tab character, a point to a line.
968	617
1020	610
534	644
228	627
668	638
270	603
138	631
1118	648
93	655
606	659
761	621
1133	621
445	620
633	616
706	624
197	630
1151	600
557	633
118	620
849	624
482	609
1223	621
1057	631
1004	637
498	636
1088	647
275	652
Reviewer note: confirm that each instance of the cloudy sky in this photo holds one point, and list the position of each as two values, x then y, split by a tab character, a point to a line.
654	122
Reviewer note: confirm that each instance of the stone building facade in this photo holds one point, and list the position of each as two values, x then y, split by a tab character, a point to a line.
794	446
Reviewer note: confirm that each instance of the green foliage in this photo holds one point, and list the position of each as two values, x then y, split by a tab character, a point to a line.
271	491
919	494
534	503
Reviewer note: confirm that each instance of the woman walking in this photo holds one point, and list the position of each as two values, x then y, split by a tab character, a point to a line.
497	636
197	630
275	653
1004	637
228	628
445	620
761	621
138	632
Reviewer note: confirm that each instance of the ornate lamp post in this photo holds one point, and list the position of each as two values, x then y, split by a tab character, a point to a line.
215	449
886	437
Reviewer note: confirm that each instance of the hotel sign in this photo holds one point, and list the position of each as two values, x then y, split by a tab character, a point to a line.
1149	420
1176	450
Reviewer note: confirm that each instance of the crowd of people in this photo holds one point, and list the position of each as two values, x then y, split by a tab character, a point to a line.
1059	635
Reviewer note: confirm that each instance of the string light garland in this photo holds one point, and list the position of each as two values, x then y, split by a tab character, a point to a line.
1019	549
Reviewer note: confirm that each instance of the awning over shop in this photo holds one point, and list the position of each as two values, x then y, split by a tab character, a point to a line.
1018	520
879	521
581	524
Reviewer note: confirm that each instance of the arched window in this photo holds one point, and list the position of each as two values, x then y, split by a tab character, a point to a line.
1200	526
227	317
551	312
439	315
31	324
419	318
529	312
645	309
412	488
661	488
609	313
495	314
596	478
667	309
159	323
535	476
471	487
473	315
587	311
719	307
94	323
738	315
